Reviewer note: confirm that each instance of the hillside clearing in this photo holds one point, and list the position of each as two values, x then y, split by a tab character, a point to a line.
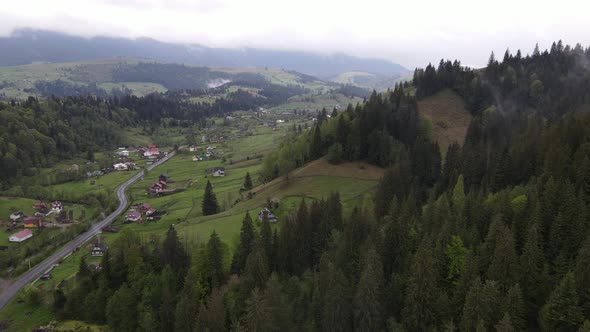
448	116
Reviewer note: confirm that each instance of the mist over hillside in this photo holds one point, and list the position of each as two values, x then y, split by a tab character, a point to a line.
26	46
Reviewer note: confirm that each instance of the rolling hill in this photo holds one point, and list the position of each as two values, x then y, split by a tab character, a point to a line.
136	76
26	46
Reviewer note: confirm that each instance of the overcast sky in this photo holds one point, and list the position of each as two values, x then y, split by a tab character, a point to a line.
411	33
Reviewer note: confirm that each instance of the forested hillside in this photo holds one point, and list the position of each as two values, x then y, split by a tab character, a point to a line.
494	238
36	133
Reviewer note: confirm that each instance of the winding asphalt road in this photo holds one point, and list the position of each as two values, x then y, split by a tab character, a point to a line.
42	267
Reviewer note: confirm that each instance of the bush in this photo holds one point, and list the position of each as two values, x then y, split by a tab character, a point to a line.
33	297
335	153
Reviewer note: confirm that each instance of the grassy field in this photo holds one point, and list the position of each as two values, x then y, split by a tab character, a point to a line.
448	117
138	88
25	77
369	80
317	101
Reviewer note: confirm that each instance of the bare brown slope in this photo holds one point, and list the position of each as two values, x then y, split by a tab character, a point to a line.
446	111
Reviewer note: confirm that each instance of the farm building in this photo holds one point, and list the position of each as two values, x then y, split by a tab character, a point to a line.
16	215
120	167
33	222
133	216
56	206
21	236
219	171
99	248
268	215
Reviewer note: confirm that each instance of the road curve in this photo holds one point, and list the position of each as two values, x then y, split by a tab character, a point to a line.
42	267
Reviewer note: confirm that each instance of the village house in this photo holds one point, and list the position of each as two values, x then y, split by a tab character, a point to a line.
152	150
99	248
219	171
120	167
143	208
33	222
21	236
16	215
266	213
157	187
192	148
124	154
133	216
56	206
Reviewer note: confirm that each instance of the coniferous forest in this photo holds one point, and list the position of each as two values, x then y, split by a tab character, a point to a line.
491	235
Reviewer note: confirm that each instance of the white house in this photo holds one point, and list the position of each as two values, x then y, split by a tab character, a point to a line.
120	167
124	153
21	236
219	171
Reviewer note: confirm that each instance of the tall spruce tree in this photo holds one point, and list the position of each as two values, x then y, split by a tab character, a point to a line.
210	205
245	246
561	312
216	273
248	182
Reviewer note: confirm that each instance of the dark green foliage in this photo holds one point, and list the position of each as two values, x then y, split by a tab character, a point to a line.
335	153
368	298
210	205
496	240
121	312
248	182
561	312
216	275
245	246
173	253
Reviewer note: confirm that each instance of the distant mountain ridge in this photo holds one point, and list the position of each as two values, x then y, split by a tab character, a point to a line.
27	46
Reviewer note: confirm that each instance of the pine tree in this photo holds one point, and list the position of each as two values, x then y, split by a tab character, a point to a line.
215	261
245	246
316	149
514	305
121	312
256	271
337	308
422	290
368	301
280	316
504	266
533	272
266	240
561	312
188	304
173	253
582	275
258	313
482	305
210	205
505	325
83	270
248	182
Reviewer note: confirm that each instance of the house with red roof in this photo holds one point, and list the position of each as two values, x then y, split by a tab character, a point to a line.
33	222
151	150
21	236
134	216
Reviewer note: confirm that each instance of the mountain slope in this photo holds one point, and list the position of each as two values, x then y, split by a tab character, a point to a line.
28	46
